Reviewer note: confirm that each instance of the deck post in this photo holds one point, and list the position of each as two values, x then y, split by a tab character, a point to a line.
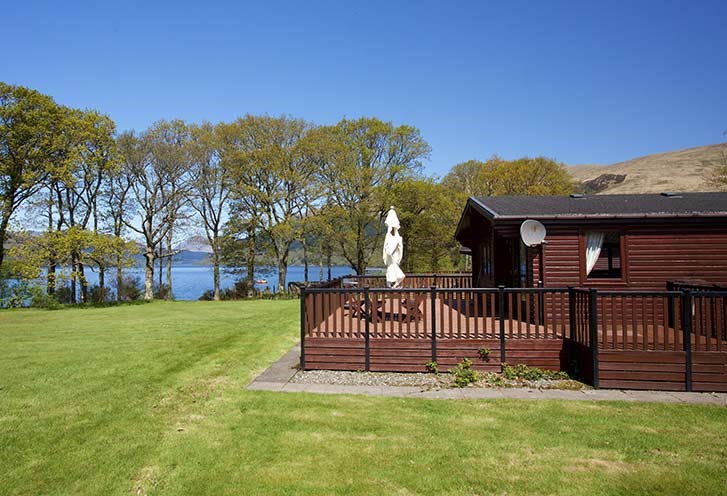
571	327
433	291
571	312
687	316
367	348
593	328
434	279
302	328
501	316
541	306
670	304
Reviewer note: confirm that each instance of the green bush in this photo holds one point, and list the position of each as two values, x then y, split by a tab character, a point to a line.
464	374
432	367
523	372
484	354
495	380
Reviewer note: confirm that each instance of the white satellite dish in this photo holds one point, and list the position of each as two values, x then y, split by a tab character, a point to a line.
532	232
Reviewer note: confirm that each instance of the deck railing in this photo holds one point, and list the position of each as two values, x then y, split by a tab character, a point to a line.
412	281
461	313
642	339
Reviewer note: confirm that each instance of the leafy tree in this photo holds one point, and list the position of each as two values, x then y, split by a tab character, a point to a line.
718	176
210	190
116	200
428	217
31	127
272	177
146	180
171	158
524	176
359	163
77	187
89	248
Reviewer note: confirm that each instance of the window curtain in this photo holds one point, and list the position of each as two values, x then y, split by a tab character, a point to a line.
594	242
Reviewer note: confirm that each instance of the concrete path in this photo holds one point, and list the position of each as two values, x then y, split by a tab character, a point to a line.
277	378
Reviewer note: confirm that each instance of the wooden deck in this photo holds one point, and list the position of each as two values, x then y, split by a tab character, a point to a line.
640	339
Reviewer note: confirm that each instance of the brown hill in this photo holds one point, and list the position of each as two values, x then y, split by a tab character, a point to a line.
681	170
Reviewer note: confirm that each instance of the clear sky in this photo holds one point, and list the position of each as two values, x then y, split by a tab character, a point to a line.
582	82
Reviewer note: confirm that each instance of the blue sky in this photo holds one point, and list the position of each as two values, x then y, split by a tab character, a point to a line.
582	82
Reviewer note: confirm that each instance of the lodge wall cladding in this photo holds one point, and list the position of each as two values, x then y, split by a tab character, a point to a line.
655	252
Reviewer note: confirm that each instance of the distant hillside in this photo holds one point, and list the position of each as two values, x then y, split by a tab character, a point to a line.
682	170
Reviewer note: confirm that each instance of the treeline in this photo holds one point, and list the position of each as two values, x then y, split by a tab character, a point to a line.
256	186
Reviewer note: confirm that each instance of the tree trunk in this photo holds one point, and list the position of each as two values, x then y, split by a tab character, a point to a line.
3	231
328	263
82	280
161	269
282	273
51	277
74	275
119	279
169	268
320	267
216	275
149	275
102	282
305	261
250	262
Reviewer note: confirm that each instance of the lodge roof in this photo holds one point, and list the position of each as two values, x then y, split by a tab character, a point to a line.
602	206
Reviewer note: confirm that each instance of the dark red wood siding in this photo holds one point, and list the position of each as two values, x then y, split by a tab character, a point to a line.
655	252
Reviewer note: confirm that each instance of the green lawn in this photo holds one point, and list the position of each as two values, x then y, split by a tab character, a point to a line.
150	399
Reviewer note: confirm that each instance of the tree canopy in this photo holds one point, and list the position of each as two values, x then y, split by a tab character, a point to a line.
257	187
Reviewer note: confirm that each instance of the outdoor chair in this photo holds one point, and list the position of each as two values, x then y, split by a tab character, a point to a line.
356	308
412	307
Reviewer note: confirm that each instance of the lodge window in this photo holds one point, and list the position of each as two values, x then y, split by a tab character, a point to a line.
603	255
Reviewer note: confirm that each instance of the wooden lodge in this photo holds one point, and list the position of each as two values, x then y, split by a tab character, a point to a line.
625	291
645	240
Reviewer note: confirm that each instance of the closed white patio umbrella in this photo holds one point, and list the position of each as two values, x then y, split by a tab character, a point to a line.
393	250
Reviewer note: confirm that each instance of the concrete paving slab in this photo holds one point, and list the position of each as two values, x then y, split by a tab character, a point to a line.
282	370
439	394
605	394
652	396
400	390
265	386
522	394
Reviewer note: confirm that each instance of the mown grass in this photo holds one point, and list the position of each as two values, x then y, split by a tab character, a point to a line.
150	399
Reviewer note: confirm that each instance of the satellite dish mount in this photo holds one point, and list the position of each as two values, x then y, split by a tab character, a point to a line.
532	233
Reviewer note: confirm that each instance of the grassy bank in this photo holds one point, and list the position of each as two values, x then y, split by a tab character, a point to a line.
150	399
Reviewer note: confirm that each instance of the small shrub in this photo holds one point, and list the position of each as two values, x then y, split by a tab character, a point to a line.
162	292
464	374
495	380
484	354
523	372
97	294
41	299
62	293
432	367
130	289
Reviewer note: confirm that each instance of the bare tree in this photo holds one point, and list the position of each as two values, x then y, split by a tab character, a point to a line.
210	190
149	183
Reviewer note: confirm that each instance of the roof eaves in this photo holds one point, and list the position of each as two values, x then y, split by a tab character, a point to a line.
483	209
614	216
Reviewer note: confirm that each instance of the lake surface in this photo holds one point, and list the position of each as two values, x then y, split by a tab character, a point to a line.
190	282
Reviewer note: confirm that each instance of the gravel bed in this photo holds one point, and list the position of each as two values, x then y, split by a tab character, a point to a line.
427	381
339	377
